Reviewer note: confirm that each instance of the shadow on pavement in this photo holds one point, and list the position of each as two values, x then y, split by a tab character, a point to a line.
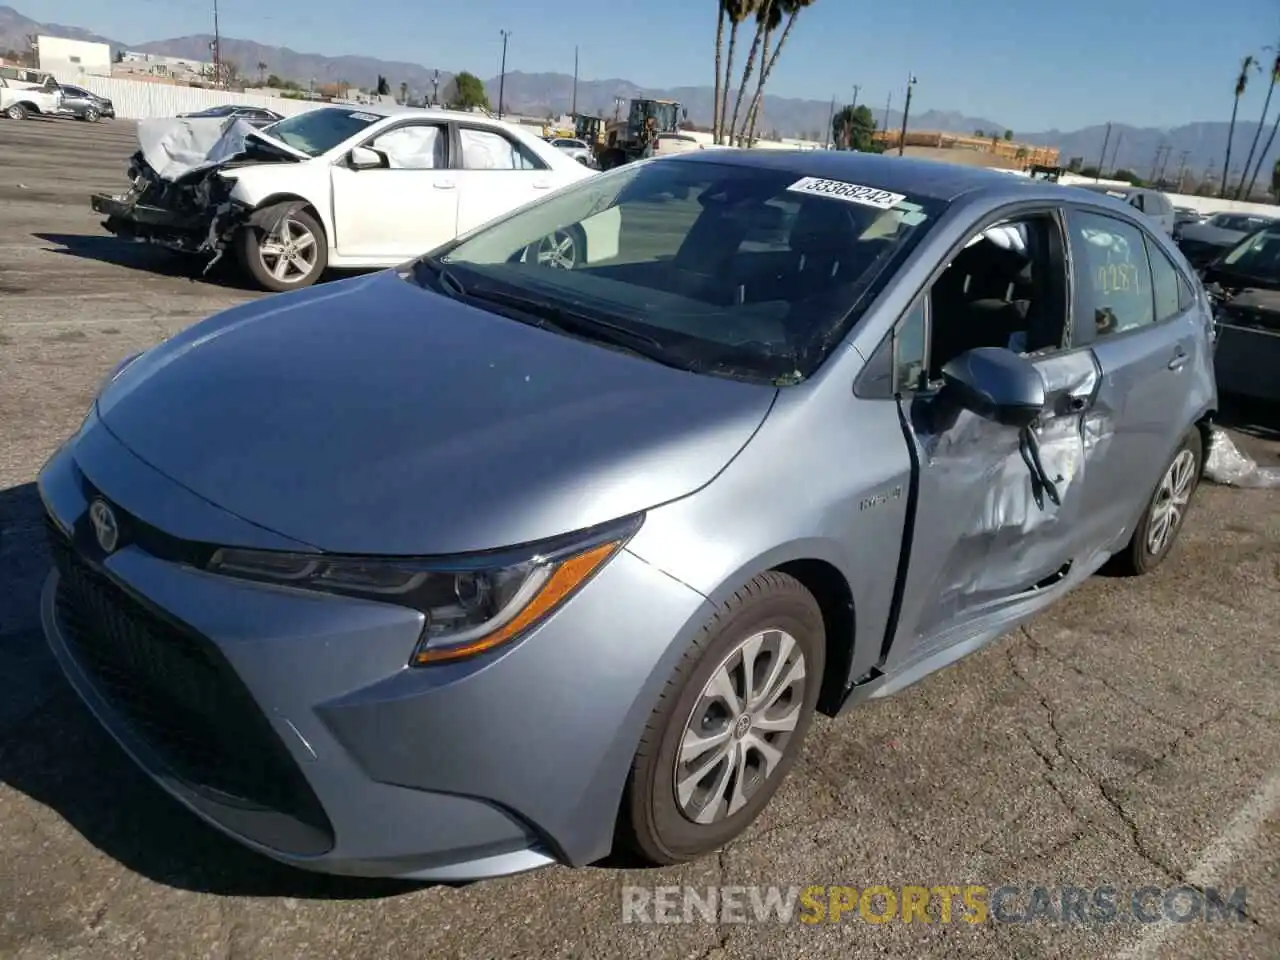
53	751
141	256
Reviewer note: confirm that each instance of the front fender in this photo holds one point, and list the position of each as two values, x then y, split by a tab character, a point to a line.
262	187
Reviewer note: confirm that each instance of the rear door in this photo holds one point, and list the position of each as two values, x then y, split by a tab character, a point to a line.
1144	330
404	210
495	174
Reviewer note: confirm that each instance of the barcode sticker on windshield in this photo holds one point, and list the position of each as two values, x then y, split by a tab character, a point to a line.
366	117
852	192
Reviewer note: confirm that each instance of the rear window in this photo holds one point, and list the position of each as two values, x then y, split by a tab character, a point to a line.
757	269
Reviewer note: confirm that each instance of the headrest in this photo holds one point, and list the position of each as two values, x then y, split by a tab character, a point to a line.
825	228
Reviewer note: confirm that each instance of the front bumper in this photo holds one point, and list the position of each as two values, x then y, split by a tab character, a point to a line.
291	722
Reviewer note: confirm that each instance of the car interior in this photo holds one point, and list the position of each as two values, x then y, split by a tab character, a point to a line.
1006	288
785	262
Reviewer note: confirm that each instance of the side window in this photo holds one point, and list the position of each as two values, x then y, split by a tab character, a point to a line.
1137	201
1006	288
1113	276
1172	293
415	146
491	150
909	342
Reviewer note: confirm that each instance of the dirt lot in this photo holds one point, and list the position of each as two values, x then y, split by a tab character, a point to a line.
1129	737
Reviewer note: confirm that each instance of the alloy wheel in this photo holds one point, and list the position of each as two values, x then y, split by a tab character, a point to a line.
558	251
738	732
91	115
1170	504
289	252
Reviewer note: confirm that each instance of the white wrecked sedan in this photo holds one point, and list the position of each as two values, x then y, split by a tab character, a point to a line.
337	187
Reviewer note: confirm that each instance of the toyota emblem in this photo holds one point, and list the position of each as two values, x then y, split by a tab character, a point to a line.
105	527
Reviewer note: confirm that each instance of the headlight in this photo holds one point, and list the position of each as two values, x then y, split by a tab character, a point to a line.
472	604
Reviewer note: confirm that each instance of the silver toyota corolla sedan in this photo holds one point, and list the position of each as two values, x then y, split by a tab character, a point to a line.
565	532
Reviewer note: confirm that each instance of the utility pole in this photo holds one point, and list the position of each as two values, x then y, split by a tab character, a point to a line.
617	107
1157	167
217	47
1115	151
1182	167
502	73
573	105
906	112
1102	160
1168	152
435	89
885	126
831	126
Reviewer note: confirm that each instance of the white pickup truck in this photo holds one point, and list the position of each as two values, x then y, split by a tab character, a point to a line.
21	98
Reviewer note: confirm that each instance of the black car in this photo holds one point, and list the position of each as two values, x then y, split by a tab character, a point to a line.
258	116
85	104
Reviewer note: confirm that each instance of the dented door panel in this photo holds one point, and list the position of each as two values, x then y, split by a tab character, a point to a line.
988	534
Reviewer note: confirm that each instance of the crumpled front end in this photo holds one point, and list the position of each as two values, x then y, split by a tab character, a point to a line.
177	197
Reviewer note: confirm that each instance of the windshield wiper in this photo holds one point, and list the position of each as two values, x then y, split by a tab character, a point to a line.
567	320
442	275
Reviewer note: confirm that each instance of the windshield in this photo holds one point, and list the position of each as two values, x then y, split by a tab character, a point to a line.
726	266
1258	255
319	131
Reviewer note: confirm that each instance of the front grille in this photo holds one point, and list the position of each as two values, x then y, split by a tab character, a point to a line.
179	695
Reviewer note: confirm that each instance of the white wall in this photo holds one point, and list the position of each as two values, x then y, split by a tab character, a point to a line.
140	100
71	61
1199	204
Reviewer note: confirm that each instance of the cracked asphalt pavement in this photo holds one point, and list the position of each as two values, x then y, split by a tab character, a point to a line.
1128	737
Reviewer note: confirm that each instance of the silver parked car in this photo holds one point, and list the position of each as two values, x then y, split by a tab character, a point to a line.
1152	203
446	571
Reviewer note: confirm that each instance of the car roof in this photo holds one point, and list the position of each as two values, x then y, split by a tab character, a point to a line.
911	175
1108	188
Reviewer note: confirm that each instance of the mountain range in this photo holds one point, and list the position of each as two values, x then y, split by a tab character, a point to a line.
1201	146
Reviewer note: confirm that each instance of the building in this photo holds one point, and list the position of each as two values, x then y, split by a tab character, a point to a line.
178	69
73	60
970	150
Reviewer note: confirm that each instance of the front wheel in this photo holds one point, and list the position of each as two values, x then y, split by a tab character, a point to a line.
91	115
563	250
290	256
729	724
1166	511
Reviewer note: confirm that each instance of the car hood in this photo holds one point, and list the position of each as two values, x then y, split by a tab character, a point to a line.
371	416
1203	233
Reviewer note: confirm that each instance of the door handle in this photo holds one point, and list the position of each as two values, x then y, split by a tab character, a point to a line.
443	184
542	184
1179	360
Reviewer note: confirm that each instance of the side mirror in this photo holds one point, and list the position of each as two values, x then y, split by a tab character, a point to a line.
366	158
996	384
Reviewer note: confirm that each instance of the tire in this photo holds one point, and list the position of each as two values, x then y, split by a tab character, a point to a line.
1149	547
563	250
91	115
770	609
252	240
16	111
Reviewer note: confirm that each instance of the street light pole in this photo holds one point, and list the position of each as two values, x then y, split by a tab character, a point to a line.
906	111
217	46
502	76
573	105
435	89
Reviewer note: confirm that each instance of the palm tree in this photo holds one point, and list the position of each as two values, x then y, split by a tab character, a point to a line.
791	8
1271	138
768	16
262	72
1242	82
1266	105
404	92
735	11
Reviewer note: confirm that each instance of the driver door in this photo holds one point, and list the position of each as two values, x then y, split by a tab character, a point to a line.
404	209
989	537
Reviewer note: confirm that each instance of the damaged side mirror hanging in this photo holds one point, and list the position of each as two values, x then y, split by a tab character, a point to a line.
366	158
995	384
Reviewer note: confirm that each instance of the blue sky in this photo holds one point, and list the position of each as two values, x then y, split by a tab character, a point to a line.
1032	66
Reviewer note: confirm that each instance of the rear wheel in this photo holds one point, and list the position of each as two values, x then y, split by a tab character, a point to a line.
1158	530
291	256
729	724
16	111
91	115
